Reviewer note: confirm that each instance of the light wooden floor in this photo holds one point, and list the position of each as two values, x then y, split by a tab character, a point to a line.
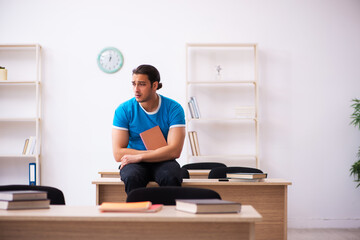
324	234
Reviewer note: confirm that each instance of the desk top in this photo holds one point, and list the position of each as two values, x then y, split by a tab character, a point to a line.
92	213
197	182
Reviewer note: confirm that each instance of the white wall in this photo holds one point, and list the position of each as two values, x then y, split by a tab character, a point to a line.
309	72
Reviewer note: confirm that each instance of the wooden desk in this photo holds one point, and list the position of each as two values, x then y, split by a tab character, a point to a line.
268	197
64	222
193	173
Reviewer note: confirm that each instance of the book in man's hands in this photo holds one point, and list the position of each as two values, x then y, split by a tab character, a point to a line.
24	204
153	138
247	175
23	195
144	206
207	206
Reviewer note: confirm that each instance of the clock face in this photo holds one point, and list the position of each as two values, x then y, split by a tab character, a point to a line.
110	60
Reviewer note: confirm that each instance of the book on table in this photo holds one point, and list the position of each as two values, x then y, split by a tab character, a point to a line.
153	138
246	175
145	206
25	204
22	195
207	206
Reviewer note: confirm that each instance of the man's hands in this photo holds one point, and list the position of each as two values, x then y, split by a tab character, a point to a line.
126	159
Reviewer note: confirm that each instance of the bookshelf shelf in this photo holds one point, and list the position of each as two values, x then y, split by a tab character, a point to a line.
20	111
222	109
31	157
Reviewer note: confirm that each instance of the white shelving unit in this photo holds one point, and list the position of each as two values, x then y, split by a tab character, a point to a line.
20	110
224	80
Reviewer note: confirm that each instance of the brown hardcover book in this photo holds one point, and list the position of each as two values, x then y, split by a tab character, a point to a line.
246	175
153	138
25	204
207	206
23	195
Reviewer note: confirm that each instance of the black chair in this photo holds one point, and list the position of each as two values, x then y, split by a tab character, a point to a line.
222	171
184	173
55	195
168	195
203	165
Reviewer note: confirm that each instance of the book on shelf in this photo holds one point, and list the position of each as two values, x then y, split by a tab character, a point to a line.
32	174
145	206
194	108
191	109
246	175
194	143
207	206
25	204
23	195
153	138
25	146
29	147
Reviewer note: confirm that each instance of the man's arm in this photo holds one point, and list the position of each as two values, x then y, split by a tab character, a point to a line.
175	140
120	140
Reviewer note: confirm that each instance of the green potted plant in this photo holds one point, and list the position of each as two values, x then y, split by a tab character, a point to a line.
355	168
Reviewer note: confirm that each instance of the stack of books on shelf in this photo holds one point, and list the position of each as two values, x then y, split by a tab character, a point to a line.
194	143
23	199
243	177
207	206
145	206
29	146
194	108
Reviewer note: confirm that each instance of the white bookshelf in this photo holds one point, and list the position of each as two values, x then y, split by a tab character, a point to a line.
20	110
228	127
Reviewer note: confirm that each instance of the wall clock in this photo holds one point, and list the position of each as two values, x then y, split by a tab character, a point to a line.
110	60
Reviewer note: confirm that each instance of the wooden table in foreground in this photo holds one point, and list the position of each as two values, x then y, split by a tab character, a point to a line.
268	197
65	222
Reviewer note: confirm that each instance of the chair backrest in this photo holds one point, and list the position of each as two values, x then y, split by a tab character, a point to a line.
55	195
203	165
222	171
168	195
184	173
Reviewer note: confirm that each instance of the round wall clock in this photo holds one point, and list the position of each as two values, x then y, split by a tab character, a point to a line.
110	60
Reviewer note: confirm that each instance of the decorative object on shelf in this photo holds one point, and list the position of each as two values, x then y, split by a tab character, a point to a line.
218	70
355	168
3	73
110	60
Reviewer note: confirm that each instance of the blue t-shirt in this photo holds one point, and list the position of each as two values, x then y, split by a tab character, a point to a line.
131	116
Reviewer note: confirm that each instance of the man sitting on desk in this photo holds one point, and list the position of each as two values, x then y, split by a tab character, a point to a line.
147	110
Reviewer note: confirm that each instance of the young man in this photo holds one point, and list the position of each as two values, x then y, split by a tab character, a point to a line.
147	110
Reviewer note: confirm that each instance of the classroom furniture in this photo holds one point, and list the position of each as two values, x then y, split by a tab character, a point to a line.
222	103
20	110
268	196
88	223
222	171
184	173
203	165
192	173
55	195
168	195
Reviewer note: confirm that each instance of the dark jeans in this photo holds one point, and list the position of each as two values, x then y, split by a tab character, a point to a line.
137	175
